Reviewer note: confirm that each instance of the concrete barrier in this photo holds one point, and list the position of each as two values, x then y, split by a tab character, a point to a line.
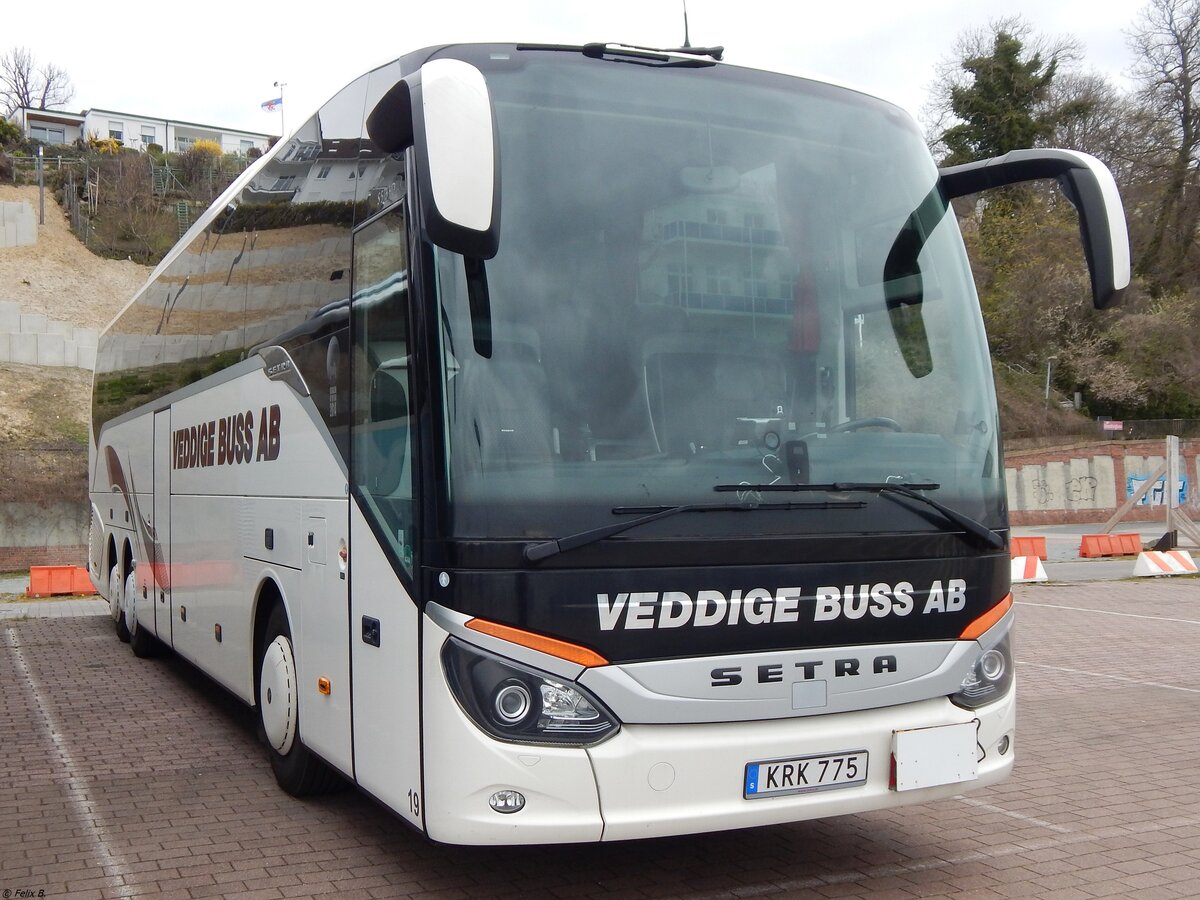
1026	569
1167	562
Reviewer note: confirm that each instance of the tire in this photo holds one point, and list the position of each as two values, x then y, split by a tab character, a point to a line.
297	769
116	604
143	644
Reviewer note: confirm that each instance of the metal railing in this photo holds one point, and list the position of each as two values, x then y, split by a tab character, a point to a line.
1129	430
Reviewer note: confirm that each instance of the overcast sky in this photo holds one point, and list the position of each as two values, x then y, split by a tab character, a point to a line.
214	62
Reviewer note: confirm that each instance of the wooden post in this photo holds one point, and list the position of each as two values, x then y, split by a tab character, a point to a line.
1177	519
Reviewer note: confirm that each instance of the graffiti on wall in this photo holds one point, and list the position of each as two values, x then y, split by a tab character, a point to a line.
1082	489
1157	494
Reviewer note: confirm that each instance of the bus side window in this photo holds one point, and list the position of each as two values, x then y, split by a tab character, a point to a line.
381	421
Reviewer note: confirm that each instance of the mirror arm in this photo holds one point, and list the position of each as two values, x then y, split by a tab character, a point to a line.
1087	184
480	302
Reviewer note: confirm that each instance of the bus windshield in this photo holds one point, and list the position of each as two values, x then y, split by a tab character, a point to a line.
708	276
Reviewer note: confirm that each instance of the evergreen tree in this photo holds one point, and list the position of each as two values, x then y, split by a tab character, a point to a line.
999	109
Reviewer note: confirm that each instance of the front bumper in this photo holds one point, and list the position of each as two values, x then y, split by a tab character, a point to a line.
658	780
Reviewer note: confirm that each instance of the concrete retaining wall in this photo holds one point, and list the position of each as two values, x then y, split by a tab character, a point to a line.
33	535
18	224
1086	483
37	340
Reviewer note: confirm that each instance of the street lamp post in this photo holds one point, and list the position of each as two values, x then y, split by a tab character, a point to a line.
41	165
1050	361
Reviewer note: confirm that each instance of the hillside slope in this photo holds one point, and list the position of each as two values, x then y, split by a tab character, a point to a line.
59	278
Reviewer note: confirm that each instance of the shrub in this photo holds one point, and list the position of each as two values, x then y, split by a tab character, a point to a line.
106	146
10	134
206	148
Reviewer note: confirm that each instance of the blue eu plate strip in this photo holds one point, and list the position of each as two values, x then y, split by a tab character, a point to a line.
751	779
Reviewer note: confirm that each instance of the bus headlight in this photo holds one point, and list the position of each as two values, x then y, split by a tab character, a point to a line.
515	703
989	679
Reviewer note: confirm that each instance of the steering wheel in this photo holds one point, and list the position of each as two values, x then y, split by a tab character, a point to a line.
869	422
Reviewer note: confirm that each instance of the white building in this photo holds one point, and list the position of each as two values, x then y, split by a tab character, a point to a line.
53	126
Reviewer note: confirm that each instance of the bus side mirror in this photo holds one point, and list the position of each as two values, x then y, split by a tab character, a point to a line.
443	111
1086	182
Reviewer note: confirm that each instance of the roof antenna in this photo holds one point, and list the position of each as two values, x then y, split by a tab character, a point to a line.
597	51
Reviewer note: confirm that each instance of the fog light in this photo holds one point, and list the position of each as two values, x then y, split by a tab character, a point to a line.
1003	745
507	801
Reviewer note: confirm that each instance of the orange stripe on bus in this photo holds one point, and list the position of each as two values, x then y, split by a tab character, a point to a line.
552	646
988	619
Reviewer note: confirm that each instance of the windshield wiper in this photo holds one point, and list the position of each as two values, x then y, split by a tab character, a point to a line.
884	488
661	57
546	549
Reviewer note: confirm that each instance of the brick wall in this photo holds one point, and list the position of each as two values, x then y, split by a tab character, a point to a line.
17	559
1086	483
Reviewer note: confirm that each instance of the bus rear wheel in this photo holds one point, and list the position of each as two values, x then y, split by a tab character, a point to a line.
116	605
297	769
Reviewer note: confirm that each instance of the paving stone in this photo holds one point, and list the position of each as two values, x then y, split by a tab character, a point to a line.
1105	800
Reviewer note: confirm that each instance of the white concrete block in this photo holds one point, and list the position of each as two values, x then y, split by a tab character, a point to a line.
34	323
87	337
66	329
70	354
25	349
27	232
8	235
1106	487
51	350
10	317
5	347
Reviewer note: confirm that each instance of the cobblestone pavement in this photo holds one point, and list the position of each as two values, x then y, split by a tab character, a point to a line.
122	777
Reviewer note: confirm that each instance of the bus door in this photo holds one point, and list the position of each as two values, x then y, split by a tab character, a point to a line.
384	616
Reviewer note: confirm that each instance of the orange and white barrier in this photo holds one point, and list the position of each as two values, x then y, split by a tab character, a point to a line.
1165	562
1026	569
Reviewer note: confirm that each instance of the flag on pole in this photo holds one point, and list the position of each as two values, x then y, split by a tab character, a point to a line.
272	105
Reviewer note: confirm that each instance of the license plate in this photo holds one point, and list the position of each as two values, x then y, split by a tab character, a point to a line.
802	774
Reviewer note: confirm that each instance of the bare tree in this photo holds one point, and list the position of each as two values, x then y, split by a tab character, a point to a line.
1090	114
24	83
1166	41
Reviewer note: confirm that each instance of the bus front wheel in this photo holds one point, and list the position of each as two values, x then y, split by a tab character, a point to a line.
142	642
297	769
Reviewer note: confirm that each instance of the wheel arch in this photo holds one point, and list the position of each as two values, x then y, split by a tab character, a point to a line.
268	596
110	554
126	558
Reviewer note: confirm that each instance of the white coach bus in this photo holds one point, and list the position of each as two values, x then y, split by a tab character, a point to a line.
582	443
